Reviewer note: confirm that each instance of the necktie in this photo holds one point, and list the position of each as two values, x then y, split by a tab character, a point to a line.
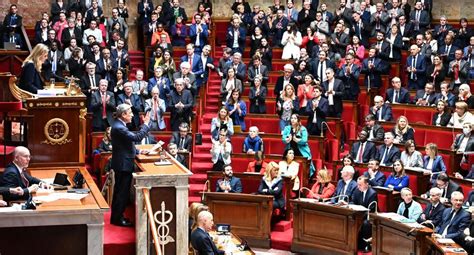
320	71
363	196
451	216
181	143
382	161
12	39
361	153
24	179
190	60
155	110
413	65
396	97
92	81
53	68
104	112
431	210
456	71
448	47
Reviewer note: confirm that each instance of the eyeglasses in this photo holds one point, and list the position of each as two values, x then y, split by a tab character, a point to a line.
222	135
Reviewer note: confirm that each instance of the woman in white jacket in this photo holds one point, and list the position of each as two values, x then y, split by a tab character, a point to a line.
291	42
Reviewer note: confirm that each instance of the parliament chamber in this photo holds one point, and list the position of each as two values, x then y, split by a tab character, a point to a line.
304	93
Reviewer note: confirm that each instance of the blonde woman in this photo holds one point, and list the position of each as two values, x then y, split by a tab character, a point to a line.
30	77
460	115
222	121
272	184
323	188
289	167
402	131
432	161
287	104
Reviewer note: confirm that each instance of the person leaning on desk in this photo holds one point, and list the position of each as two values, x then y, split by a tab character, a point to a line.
30	77
15	175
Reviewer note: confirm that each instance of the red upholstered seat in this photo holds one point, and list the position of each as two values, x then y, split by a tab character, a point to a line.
412	184
382	202
10	106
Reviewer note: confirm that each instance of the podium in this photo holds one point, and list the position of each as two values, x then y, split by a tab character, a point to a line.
393	237
166	186
320	228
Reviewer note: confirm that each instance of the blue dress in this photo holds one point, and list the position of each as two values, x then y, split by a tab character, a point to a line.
398	183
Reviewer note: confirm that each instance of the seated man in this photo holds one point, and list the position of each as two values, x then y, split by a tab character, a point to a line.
258	165
173	151
363	150
427	96
434	210
200	239
397	94
15	175
447	187
364	195
465	142
375	177
228	183
445	95
455	219
374	130
346	186
381	111
253	142
182	139
387	153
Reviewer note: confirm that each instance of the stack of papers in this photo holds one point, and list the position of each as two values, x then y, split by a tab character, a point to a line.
357	207
60	195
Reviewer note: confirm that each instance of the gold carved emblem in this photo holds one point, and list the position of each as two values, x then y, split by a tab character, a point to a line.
56	131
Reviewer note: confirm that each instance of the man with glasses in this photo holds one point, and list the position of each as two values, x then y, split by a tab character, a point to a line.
90	81
373	67
182	139
381	111
406	30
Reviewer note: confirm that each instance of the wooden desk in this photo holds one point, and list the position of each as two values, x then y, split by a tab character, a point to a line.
75	226
437	248
218	240
168	188
249	215
320	228
391	237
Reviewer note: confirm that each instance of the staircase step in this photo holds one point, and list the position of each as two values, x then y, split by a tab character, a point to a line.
195	189
194	199
283	226
211	108
198	179
282	240
200	167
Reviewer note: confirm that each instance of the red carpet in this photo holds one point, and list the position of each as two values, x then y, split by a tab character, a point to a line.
119	240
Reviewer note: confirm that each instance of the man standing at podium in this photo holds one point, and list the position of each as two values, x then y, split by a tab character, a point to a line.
123	156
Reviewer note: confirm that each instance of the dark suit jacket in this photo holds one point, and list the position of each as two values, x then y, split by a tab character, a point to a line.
321	113
105	73
449	56
240	72
370	196
178	115
369	151
263	72
392	155
349	191
188	141
276	190
197	69
203	244
378	134
421	93
451	99
469	145
373	76
424	20
30	79
351	81
314	67
461	221
97	107
124	151
378	181
235	185
18	22
11	178
403	96
438	165
452	186
86	84
230	38
435	216
419	78
279	85
66	37
338	93
137	106
445	117
386	112
260	99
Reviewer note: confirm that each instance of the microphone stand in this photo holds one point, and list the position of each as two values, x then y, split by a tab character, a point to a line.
204	190
304	188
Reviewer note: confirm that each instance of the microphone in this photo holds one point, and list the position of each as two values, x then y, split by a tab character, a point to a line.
204	190
338	196
428	222
368	207
304	188
329	129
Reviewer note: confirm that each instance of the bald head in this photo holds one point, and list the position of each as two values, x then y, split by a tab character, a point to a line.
205	220
21	157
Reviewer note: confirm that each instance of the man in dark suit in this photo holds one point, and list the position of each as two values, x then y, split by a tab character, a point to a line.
15	175
317	110
201	241
374	130
258	69
381	111
441	30
182	139
362	151
448	49
434	210
177	11
416	68
397	94
427	96
380	19
339	40
181	104
373	67
102	107
90	82
71	32
376	178
382	46
445	95
446	186
123	156
239	67
387	153
360	29
120	55
13	20
136	104
455	219
188	78
334	91
305	17
106	66
173	151
420	18
343	12
406	31
228	183
235	36
285	79
465	142
55	64
458	70
277	28
349	75
195	62
319	65
327	15
207	65
364	195
346	186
